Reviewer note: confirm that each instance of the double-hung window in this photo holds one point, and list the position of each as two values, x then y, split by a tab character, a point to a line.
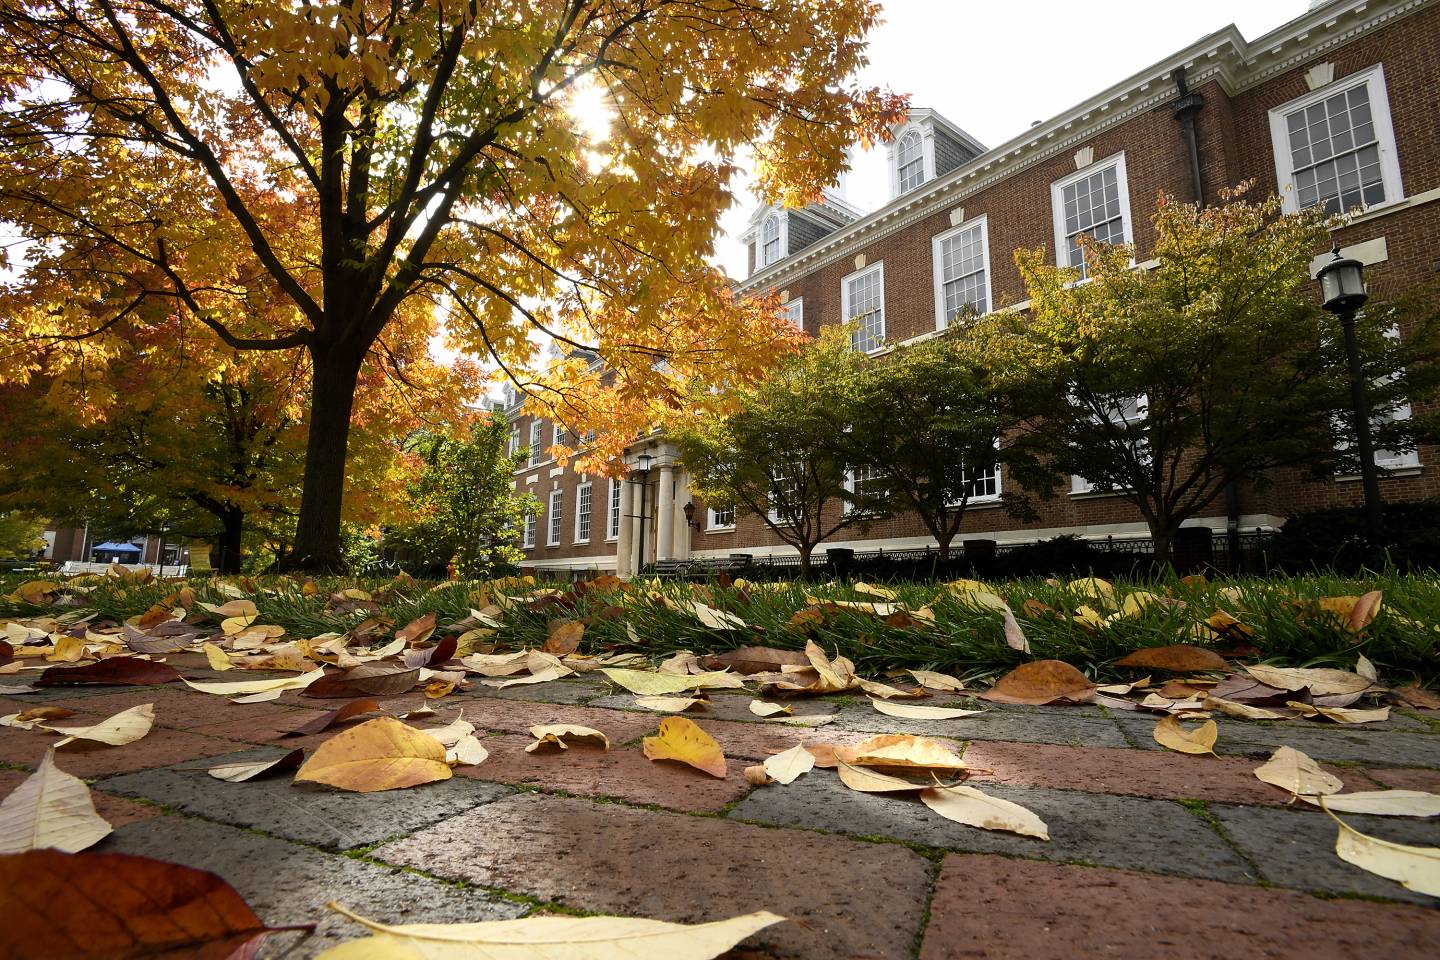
862	482
1335	149
962	272
722	519
558	436
1386	459
557	501
770	240
531	522
582	513
909	162
784	485
1095	202
862	296
1124	415
536	433
982	484
612	530
795	312
513	444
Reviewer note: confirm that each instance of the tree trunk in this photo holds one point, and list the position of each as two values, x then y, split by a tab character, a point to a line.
317	531
231	539
1162	538
805	552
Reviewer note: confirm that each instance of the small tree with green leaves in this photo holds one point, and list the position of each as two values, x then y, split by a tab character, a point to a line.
928	427
780	454
1164	384
466	498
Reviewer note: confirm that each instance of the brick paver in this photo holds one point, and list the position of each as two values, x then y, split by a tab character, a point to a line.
1152	853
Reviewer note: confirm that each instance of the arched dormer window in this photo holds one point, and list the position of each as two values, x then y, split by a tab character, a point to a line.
910	162
770	240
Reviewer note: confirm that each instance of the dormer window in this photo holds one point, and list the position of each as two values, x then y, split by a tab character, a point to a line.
910	161
770	240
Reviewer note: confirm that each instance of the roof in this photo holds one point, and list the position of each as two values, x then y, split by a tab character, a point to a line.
117	547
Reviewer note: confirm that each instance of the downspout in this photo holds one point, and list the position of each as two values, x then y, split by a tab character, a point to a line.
1185	109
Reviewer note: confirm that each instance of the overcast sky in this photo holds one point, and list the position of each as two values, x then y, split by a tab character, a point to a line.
994	68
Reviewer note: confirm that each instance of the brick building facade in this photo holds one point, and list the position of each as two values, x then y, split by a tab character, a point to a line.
1337	106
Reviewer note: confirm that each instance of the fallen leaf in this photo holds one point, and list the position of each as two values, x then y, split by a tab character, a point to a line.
886	692
380	754
936	681
809	720
648	684
785	767
531	938
467	751
1417	696
717	619
30	719
904	752
94	905
748	660
912	711
432	656
764	708
564	638
1233	708
757	775
1120	689
1291	770
119	671
1040	682
1340	714
1380	803
325	721
667	704
976	809
127	726
232	608
1177	658
418	630
1170	734
683	740
1414	868
50	808
229	688
558	733
219	659
884	593
1014	636
1366	669
1320	681
366	680
249	770
544	675
864	780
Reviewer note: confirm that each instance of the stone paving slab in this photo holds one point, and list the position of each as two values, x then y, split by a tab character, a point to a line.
288	883
623	773
1141	773
721	706
1323	742
1058	727
1296	848
307	812
843	899
1128	832
182	708
996	908
1402	779
89	760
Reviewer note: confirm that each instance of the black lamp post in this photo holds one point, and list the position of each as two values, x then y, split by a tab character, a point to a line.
642	470
1342	286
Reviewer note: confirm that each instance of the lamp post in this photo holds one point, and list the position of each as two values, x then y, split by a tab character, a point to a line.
1342	287
642	469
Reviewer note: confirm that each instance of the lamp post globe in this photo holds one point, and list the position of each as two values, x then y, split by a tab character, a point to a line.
1342	285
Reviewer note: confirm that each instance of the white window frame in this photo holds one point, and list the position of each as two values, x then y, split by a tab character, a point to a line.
557	435
537	428
795	312
1407	461
850	486
845	317
772	512
782	226
936	261
1079	486
614	509
555	517
918	138
1057	203
513	444
988	497
712	521
584	494
532	524
1374	78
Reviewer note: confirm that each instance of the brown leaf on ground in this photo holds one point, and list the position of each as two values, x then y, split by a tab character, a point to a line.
683	740
1243	689
93	905
1418	697
1171	735
417	630
368	679
324	722
380	754
443	650
564	639
249	770
904	753
115	671
1040	682
752	660
1320	681
1177	658
1229	627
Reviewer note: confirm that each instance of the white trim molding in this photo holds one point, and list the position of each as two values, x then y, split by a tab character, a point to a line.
875	343
1115	161
942	320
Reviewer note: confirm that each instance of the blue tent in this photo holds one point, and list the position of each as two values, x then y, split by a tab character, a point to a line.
115	548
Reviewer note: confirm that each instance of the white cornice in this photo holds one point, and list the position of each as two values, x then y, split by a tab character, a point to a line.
1224	56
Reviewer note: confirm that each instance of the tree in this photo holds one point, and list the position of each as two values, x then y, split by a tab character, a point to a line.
466	499
21	535
363	157
1165	384
927	426
781	453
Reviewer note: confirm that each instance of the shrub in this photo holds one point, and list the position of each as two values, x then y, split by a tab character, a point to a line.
1337	538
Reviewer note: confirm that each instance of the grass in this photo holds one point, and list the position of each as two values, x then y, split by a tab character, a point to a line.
966	640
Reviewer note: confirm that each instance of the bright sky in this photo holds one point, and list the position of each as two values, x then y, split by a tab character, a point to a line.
994	68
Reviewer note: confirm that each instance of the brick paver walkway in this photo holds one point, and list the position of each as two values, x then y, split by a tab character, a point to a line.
1152	854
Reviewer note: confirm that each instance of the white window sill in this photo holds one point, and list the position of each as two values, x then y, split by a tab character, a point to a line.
579	543
989	503
1414	471
612	539
1097	494
729	529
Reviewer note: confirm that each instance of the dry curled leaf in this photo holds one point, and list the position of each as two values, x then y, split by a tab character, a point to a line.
1171	735
1320	681
1291	770
564	638
1380	803
904	752
118	671
683	740
976	809
366	680
756	775
936	681
50	808
1177	658
380	754
558	733
763	708
1414	868
325	721
667	704
127	726
1233	708
786	767
1340	714
646	684
467	751
1041	682
250	770
912	711
865	780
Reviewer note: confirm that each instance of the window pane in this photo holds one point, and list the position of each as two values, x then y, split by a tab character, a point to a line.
1332	145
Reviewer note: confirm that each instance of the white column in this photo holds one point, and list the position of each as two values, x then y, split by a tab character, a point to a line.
685	532
665	515
637	536
624	546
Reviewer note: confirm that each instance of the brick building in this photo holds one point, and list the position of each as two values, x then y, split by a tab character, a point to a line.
1337	107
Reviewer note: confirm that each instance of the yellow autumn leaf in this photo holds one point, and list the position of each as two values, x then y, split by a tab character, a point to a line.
764	708
913	711
863	780
68	650
219	659
973	808
646	684
937	681
902	751
785	767
1414	868
1379	803
50	808
127	726
1290	769
667	704
380	754
1340	714
682	740
1170	734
